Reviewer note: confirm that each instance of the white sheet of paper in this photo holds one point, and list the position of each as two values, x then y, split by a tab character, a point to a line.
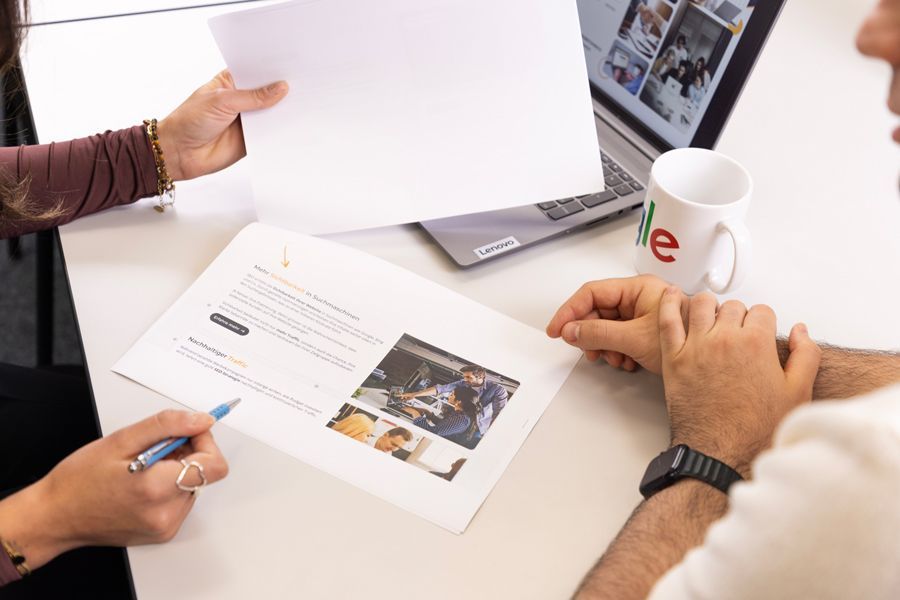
307	344
408	110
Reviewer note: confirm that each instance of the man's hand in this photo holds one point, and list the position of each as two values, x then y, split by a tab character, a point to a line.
617	319
204	134
726	391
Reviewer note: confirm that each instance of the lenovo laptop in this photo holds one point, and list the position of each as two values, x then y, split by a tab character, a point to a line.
638	117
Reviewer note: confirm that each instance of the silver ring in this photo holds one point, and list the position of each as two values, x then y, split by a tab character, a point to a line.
193	489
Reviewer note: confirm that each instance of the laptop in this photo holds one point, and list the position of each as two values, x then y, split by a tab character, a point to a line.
620	58
673	86
634	126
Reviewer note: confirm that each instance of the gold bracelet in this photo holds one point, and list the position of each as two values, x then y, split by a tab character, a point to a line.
17	558
165	187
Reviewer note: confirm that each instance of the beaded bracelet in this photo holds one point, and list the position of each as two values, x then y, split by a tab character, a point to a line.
16	558
165	187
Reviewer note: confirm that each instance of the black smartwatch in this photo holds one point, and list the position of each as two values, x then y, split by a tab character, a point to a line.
679	462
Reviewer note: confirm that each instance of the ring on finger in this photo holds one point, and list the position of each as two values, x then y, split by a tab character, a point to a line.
186	467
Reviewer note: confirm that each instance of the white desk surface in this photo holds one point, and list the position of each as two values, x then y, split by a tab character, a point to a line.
812	128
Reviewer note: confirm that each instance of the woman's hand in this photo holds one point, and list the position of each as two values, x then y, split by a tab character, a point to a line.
91	499
204	134
412	412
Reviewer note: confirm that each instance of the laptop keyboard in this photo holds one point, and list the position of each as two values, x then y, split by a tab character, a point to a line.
618	183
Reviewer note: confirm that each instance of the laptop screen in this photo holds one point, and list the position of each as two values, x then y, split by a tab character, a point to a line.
662	61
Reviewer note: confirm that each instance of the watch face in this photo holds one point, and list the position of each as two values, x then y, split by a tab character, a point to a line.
661	469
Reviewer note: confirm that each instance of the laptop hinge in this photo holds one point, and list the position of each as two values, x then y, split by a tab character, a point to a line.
619	126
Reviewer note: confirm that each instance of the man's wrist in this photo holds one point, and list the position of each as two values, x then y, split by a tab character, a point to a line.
658	534
694	498
738	458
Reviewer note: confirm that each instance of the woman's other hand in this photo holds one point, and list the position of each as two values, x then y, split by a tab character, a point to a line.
204	134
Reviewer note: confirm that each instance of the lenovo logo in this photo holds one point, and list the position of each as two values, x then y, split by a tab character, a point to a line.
497	247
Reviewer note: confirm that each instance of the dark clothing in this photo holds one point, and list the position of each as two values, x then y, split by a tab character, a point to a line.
453	423
87	174
492	398
46	414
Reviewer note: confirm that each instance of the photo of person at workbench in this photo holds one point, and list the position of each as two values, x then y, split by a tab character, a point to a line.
437	391
387	437
460	414
360	426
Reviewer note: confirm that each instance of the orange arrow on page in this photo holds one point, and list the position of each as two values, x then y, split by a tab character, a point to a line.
285	262
736	29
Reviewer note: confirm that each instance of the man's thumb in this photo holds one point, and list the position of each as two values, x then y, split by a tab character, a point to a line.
601	334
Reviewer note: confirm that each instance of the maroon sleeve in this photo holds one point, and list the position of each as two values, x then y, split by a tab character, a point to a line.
87	174
8	571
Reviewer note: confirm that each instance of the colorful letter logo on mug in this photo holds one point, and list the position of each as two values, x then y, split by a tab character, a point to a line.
692	232
659	238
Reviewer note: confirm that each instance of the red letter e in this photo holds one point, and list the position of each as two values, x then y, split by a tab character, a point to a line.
660	238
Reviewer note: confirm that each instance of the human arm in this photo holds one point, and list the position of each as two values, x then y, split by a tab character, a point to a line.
422	422
91	499
412	412
498	402
616	319
819	517
847	372
725	393
426	392
52	184
49	185
644	550
430	391
443	426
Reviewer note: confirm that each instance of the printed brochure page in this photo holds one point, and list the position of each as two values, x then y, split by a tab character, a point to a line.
367	371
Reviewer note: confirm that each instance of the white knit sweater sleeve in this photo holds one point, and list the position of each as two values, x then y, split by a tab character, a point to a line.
821	518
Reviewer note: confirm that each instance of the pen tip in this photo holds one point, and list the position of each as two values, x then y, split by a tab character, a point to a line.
233	403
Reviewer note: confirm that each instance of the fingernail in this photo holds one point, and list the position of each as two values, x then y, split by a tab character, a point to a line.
570	332
278	88
802	328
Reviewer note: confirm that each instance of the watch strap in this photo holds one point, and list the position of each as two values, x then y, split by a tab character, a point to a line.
707	469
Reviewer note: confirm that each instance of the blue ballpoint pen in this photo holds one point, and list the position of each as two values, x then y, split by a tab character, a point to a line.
158	451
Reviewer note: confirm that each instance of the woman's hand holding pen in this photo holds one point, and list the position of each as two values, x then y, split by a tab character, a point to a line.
90	498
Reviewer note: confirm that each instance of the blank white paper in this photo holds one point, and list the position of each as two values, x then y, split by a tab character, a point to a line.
408	110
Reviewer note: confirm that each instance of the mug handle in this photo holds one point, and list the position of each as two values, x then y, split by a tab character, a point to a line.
743	250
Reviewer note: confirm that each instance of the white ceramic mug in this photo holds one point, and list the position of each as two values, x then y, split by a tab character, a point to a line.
692	232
